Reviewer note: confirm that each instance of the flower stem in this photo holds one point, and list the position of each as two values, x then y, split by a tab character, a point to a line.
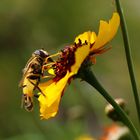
89	77
128	57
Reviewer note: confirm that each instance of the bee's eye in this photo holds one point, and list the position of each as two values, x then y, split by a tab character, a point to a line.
41	53
37	52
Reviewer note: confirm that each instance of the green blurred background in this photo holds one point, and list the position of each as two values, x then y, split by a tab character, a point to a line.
27	25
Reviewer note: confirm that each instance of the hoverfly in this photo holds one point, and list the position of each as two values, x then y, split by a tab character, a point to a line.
32	74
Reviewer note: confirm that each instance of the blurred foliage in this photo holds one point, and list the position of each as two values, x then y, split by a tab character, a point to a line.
50	24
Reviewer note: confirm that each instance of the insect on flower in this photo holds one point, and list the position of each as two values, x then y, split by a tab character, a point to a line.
32	73
66	67
70	62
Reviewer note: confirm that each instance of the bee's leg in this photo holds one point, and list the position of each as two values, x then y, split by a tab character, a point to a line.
50	76
49	58
40	91
49	61
36	95
47	66
36	87
53	55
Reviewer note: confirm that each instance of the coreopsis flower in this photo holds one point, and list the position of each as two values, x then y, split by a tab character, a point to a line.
86	46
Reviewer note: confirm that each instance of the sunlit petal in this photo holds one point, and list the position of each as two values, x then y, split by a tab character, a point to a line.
88	37
106	31
53	91
80	55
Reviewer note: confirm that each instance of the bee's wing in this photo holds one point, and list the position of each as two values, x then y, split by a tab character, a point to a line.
26	70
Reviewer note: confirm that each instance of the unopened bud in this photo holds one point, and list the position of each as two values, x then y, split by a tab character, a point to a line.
111	112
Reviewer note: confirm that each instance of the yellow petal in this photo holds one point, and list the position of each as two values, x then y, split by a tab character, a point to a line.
80	55
53	91
51	111
88	37
106	31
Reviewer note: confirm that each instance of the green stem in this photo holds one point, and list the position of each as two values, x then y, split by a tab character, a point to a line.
128	57
89	77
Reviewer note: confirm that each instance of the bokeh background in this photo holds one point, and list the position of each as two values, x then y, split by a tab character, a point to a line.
50	24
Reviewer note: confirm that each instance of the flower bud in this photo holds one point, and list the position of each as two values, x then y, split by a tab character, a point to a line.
111	112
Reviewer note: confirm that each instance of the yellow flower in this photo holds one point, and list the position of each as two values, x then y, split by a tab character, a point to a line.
86	46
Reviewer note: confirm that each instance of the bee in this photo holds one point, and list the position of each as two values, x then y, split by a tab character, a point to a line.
32	74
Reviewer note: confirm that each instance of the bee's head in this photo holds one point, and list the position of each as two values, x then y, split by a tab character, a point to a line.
41	53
